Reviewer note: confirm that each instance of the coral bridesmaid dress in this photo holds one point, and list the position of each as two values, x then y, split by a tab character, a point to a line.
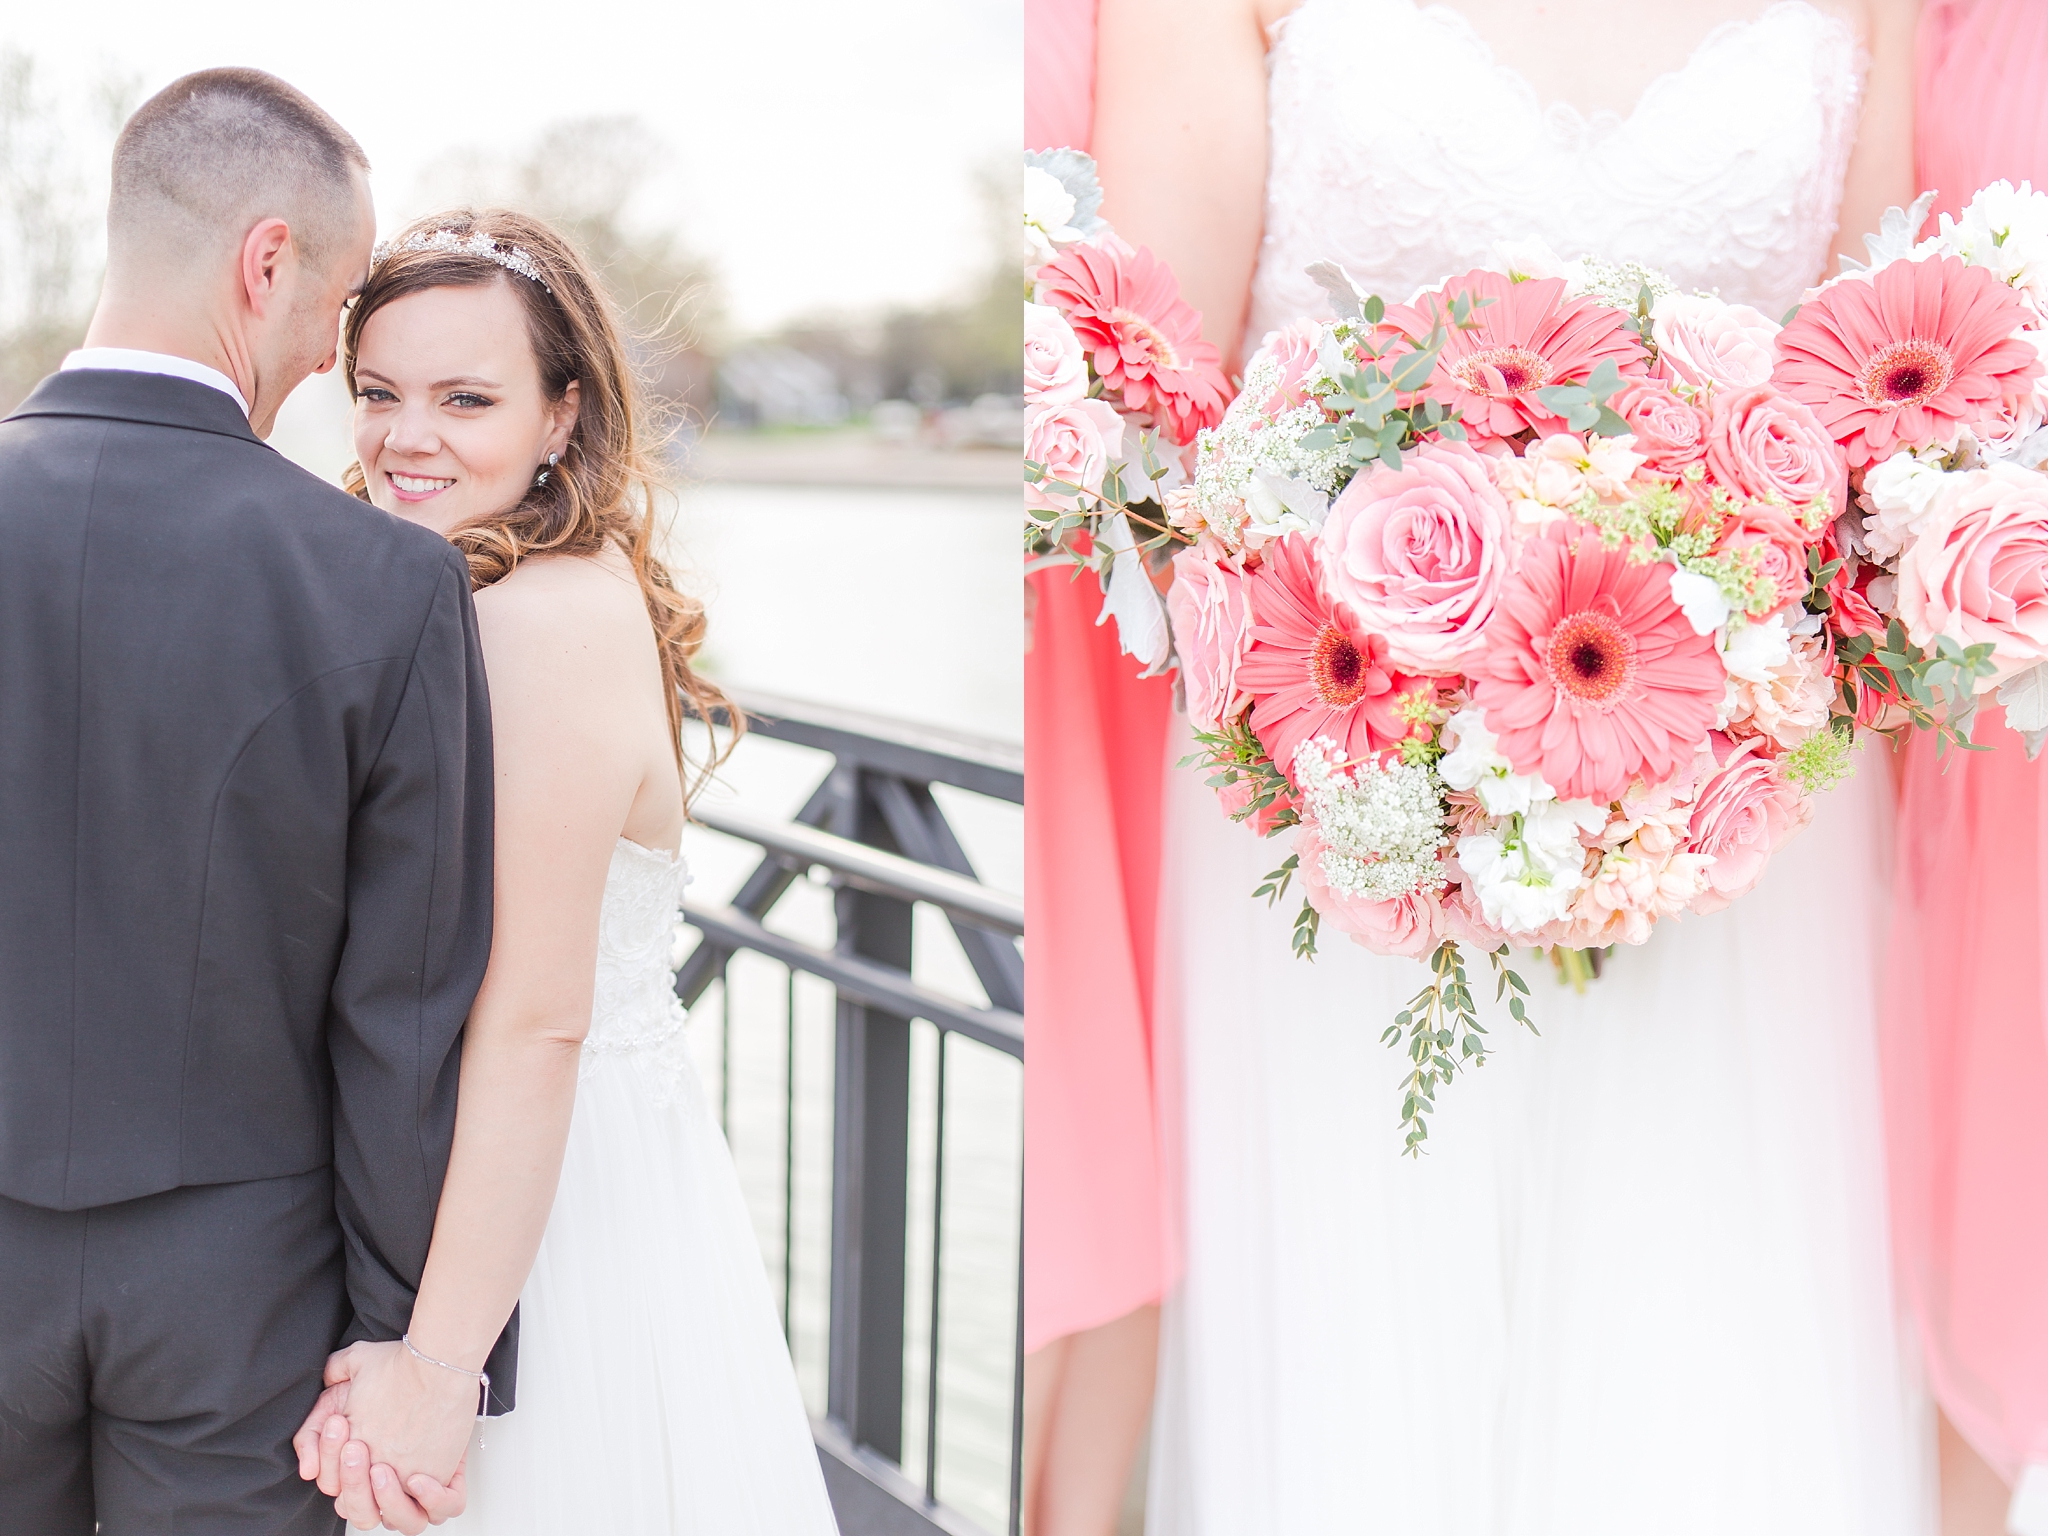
1095	1246
1966	1036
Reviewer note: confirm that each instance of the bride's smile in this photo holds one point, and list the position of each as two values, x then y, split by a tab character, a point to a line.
451	420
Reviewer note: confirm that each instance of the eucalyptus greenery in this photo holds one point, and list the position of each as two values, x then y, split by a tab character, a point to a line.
1440	1020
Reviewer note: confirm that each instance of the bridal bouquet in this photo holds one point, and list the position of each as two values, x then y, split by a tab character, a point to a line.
1117	382
1927	367
1540	607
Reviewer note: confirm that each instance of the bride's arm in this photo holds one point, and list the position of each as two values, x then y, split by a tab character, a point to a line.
1881	166
564	652
1180	139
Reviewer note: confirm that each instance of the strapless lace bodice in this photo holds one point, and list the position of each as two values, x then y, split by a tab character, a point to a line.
636	1013
1402	149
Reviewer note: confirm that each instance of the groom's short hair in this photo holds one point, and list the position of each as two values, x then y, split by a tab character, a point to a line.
213	152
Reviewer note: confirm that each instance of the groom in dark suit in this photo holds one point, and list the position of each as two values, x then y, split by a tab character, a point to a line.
245	855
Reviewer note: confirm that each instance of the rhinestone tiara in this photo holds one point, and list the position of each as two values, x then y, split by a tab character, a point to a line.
512	258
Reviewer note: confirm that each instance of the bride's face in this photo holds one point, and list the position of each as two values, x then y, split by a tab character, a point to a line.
451	421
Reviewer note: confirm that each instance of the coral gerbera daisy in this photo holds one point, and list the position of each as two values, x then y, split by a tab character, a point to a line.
1530	335
1309	670
1144	338
1592	674
1906	357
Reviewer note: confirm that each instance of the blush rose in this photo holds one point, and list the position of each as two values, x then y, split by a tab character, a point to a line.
1761	442
1405	926
1076	443
1055	368
1212	625
1293	350
1778	542
1979	570
1670	433
1746	809
1704	341
1418	555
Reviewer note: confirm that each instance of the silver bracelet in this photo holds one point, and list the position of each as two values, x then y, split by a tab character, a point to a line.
482	1378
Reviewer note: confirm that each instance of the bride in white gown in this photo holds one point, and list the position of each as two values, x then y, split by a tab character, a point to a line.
495	403
1640	1283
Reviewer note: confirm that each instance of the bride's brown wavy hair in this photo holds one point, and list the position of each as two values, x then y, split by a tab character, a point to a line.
605	489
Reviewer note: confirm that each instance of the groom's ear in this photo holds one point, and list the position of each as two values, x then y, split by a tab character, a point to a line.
268	252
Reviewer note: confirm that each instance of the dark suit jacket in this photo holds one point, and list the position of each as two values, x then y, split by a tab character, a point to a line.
245	824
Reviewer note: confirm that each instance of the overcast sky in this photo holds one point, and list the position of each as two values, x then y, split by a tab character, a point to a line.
824	151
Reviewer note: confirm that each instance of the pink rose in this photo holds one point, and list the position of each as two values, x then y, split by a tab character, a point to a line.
1744	812
1779	541
1293	347
1764	443
1075	442
1406	925
1979	569
1055	368
1670	433
1418	555
1212	625
1704	341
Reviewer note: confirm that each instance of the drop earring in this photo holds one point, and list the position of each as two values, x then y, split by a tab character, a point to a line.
542	477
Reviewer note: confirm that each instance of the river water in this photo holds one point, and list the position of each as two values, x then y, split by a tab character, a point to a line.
905	603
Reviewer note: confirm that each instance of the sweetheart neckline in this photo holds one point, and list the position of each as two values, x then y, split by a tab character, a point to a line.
667	856
1604	120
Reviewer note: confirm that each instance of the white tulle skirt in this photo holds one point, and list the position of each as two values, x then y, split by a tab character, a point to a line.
655	1391
1640	1283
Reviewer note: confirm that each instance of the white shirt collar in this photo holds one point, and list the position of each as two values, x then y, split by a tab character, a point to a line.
128	360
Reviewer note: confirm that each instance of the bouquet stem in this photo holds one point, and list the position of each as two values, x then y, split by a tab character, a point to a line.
1575	967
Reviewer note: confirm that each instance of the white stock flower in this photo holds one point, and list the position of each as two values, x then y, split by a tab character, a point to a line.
1473	762
1899	493
1526	870
1701	599
1790	703
1754	650
2004	230
1277	504
1381	824
1531	257
1048	213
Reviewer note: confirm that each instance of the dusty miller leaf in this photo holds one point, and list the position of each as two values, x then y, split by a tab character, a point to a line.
2025	698
1347	297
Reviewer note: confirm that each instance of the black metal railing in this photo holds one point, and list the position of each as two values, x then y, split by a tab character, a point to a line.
873	826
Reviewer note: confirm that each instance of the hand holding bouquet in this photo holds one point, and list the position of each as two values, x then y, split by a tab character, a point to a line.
1539	608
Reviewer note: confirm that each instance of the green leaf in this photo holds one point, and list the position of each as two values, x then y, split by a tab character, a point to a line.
1605	381
1413	370
1375	310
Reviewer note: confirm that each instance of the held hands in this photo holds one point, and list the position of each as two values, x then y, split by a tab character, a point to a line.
417	1419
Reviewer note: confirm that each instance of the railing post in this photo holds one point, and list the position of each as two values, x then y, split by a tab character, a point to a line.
871	1131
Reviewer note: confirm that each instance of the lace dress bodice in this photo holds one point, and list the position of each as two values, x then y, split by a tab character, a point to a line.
635	1014
1401	149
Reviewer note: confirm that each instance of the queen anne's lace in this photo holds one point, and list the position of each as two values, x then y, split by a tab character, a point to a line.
635	1016
1725	176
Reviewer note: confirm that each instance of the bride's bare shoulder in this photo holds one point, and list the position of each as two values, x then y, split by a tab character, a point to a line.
584	614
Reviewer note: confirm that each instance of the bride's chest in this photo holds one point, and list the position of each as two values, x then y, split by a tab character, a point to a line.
1402	148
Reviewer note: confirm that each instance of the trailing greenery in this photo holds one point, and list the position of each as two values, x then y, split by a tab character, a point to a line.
1443	1032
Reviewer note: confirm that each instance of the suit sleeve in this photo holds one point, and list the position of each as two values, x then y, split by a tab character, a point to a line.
419	936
